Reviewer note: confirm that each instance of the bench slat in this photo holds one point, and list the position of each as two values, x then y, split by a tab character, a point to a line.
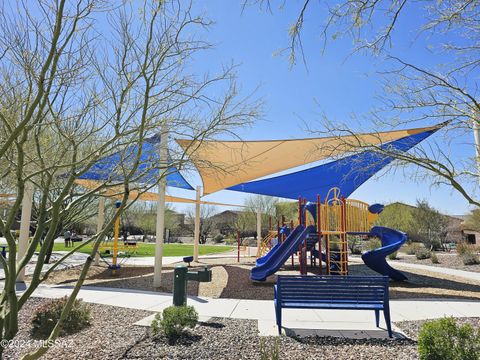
302	305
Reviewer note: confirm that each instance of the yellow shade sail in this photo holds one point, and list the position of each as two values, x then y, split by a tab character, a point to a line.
222	164
117	192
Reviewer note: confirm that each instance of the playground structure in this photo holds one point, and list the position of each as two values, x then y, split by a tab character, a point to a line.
323	230
242	158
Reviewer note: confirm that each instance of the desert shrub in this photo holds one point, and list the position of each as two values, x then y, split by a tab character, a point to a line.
230	241
444	339
218	239
422	254
47	315
468	254
372	244
357	250
354	244
470	259
392	256
412	248
434	259
269	352
334	245
464	248
174	320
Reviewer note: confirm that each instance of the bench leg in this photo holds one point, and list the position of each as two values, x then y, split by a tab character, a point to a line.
377	318
278	315
386	313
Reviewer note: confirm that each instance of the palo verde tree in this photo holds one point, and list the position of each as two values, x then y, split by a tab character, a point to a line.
266	205
207	223
81	80
439	87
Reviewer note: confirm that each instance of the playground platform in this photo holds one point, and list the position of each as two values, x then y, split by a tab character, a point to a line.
349	324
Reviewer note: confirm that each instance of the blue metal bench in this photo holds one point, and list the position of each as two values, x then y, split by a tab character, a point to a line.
4	251
333	292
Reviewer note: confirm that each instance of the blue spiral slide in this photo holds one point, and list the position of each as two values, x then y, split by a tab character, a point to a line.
274	260
376	260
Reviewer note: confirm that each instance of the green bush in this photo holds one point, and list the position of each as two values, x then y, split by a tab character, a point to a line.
47	315
434	259
470	259
412	248
218	239
174	320
373	244
392	256
230	241
443	339
422	254
354	244
357	250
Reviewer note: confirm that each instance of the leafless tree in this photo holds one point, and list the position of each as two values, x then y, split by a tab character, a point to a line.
443	89
81	80
206	221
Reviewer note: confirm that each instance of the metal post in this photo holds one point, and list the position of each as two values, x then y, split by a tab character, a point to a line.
259	229
100	222
238	246
160	224
115	241
476	135
319	233
24	235
196	238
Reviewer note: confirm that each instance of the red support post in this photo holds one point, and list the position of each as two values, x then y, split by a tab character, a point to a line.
344	230
319	234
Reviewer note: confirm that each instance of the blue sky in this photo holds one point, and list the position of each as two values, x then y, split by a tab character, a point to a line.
340	87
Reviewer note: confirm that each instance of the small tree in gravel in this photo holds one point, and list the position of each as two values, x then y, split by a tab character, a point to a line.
430	225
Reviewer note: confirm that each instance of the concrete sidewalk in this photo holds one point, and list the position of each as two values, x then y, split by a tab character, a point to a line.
470	275
321	322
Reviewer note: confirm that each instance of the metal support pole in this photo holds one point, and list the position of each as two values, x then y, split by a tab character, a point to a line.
160	224
259	229
476	135
100	222
115	241
196	238
238	246
24	235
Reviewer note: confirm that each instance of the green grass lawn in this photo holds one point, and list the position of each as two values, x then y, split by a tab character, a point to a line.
148	249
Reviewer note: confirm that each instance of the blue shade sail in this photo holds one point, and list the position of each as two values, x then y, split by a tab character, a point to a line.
114	167
347	174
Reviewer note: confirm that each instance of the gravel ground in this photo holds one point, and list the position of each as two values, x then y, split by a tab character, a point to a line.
109	336
448	260
232	280
112	336
238	339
